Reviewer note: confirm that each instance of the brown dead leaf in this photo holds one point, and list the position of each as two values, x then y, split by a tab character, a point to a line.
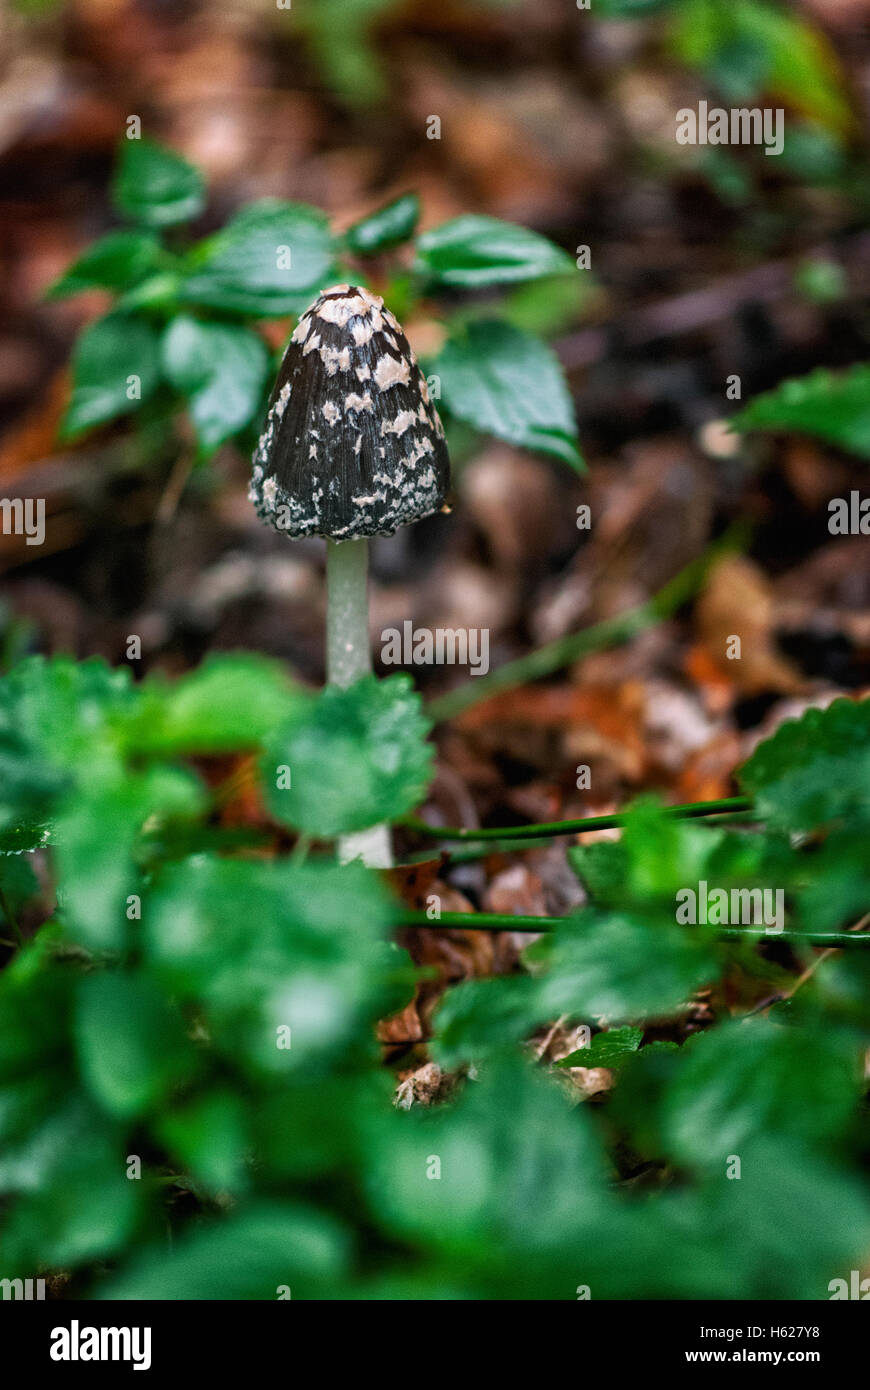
737	603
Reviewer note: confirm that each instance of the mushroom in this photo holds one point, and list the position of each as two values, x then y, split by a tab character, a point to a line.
352	447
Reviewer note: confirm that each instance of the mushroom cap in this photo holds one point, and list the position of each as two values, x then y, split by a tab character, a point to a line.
352	445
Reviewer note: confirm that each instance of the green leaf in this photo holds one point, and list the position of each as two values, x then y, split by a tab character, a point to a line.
509	384
608	1049
261	948
269	260
208	1136
75	1203
480	1017
472	251
359	759
549	306
519	1178
230	703
130	1044
156	186
339	36
388	227
97	830
834	406
48	714
221	369
251	1256
751	1079
814	771
115	262
620	967
771	50
115	367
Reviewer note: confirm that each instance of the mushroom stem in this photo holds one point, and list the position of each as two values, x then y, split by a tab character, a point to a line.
348	659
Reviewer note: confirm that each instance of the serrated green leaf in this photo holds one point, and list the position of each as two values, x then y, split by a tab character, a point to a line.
478	1018
518	1170
115	367
115	262
814	771
221	369
269	260
618	967
472	251
97	828
507	383
230	703
156	186
834	406
747	1080
263	947
387	227
360	758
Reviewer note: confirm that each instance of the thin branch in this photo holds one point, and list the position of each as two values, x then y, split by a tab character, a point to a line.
506	921
727	805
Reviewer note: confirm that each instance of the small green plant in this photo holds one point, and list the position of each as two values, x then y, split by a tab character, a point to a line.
183	332
191	1100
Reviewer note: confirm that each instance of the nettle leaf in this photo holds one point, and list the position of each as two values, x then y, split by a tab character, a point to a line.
507	383
156	186
620	967
519	1171
76	1203
834	406
608	1049
388	227
48	714
115	367
230	703
97	828
267	261
115	262
221	369
360	758
480	1017
131	1045
814	770
263	948
472	251
751	1079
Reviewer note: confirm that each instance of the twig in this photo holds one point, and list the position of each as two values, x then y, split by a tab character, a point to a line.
688	811
506	921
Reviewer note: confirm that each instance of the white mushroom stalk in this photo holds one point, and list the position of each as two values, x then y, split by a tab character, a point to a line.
348	659
352	447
